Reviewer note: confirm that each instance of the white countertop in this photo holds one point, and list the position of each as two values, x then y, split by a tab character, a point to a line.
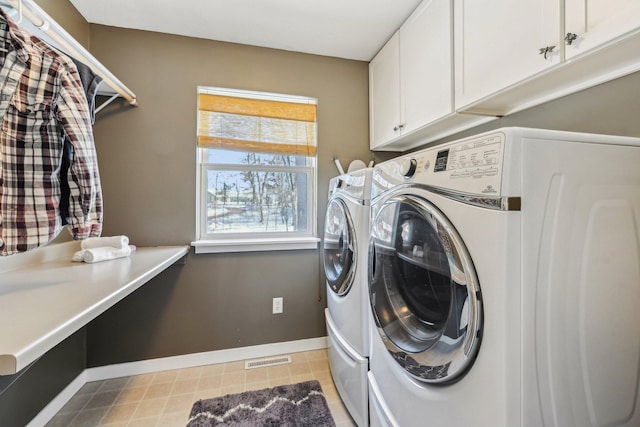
45	297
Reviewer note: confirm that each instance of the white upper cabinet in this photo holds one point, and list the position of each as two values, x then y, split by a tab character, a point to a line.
411	82
592	23
500	47
509	56
384	93
502	42
426	87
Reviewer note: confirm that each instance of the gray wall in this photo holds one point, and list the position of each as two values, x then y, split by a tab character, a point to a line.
147	164
610	108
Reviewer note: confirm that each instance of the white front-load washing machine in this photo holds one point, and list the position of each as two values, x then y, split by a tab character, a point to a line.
346	237
504	282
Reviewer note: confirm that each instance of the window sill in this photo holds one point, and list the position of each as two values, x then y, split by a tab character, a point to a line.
254	245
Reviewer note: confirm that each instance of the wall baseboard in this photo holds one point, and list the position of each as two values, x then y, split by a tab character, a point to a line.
169	363
206	358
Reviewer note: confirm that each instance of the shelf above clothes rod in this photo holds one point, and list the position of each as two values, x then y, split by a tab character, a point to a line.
53	33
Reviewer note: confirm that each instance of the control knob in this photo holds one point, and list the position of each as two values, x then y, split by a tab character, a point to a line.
408	167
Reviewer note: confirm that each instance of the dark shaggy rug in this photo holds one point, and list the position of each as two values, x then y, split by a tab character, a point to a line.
296	405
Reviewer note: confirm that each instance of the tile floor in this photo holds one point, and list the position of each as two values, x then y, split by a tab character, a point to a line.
164	398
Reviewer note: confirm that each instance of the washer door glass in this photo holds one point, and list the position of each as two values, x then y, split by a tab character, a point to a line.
424	291
339	247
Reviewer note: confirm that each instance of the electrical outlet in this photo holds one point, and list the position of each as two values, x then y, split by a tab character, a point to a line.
278	305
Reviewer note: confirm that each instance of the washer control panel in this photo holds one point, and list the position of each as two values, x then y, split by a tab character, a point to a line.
471	165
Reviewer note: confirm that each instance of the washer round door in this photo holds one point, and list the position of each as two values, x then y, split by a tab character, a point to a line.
424	291
339	247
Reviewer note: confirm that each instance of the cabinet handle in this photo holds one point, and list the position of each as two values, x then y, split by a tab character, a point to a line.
397	128
545	50
570	37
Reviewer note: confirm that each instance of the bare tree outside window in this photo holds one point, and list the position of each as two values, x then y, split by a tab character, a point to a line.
257	200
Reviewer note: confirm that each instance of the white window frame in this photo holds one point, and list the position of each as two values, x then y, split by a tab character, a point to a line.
258	241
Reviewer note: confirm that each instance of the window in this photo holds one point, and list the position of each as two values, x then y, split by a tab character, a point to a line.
256	171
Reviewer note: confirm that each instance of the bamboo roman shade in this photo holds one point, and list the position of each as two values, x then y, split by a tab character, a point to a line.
256	124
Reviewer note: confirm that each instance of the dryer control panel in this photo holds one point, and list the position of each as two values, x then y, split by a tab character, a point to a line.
470	166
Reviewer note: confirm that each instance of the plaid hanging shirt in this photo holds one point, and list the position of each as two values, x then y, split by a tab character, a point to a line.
42	102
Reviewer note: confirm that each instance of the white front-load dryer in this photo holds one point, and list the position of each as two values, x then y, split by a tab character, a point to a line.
345	242
504	281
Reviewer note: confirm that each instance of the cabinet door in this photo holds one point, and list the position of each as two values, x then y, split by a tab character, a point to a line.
497	43
426	87
595	22
384	94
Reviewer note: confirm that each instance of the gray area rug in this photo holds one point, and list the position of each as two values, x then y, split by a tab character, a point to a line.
301	404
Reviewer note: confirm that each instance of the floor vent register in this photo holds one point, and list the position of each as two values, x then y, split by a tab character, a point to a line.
269	361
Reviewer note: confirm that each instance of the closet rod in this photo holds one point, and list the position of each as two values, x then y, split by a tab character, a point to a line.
67	43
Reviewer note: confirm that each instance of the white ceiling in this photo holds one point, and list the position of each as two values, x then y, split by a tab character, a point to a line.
353	29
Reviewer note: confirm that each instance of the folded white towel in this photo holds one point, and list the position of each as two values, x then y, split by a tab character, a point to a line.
78	256
104	254
100	242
